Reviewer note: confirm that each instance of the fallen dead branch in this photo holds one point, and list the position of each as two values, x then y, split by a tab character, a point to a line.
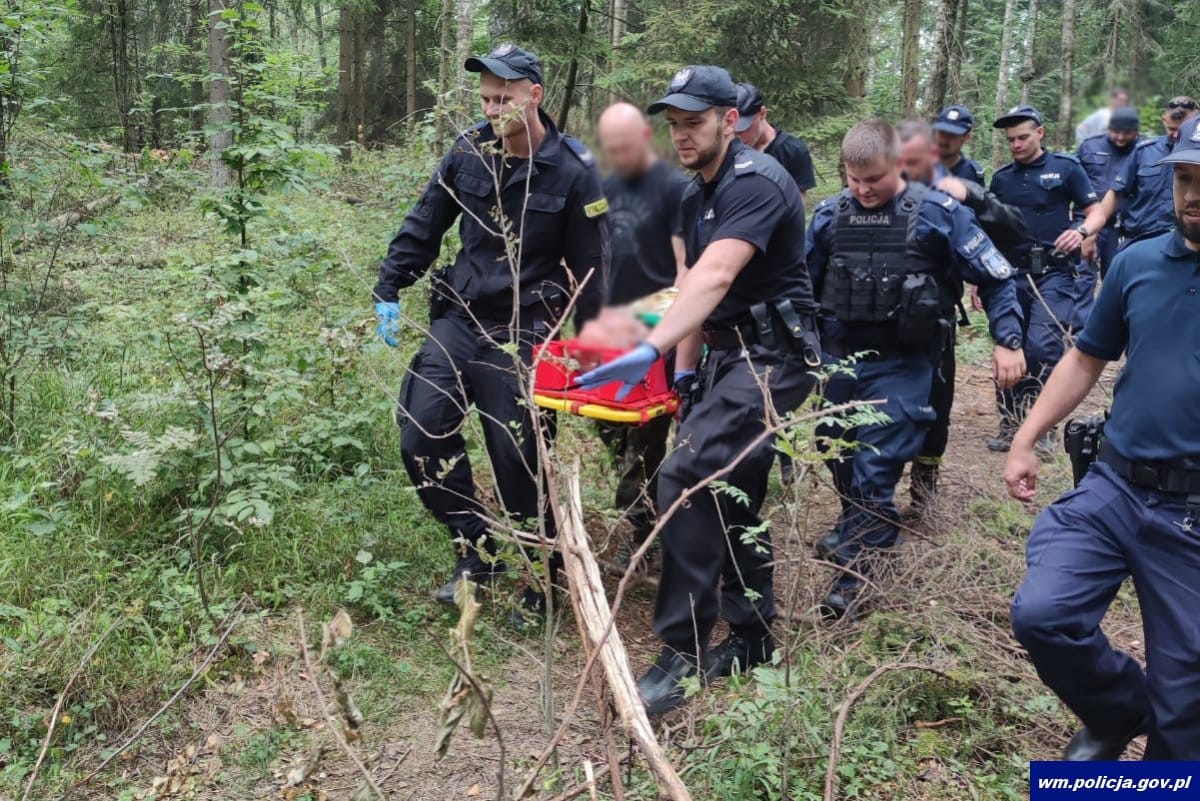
592	609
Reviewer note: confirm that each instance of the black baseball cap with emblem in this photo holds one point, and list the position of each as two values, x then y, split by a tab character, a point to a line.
1017	115
509	62
1187	148
697	88
749	102
955	119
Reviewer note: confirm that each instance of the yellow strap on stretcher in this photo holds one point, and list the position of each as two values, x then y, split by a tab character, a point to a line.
597	411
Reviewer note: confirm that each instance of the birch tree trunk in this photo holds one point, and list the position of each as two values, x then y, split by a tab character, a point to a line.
1065	110
220	114
1029	67
910	57
998	142
943	39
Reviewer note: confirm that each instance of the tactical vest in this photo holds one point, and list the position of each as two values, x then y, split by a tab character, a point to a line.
877	275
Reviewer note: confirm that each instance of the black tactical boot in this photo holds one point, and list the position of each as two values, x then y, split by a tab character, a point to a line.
659	687
1087	747
839	603
745	649
826	547
924	487
473	569
1003	439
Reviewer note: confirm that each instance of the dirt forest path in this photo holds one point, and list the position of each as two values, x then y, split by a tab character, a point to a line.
206	752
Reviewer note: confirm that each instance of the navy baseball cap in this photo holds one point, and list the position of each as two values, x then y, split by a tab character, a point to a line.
1125	118
749	102
1017	115
509	62
955	120
1187	147
697	88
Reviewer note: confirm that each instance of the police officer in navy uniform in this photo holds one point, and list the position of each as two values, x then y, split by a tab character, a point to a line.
953	130
1053	192
1137	512
550	194
1103	157
887	258
755	131
747	296
1005	226
1142	189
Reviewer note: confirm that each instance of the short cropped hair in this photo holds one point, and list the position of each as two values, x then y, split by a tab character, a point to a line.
911	129
870	141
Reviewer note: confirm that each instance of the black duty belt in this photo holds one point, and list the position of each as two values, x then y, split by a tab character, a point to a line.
732	338
1050	263
1156	476
778	326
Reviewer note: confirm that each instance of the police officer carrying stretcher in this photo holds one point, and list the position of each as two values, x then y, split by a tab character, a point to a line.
887	258
1137	512
746	295
549	192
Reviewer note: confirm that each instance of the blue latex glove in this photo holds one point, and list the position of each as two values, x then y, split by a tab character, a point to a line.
628	369
388	315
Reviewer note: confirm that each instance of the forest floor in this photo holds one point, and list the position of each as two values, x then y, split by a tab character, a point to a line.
100	606
239	738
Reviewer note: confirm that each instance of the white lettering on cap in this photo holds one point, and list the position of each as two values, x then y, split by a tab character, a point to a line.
1196	134
503	50
953	114
681	79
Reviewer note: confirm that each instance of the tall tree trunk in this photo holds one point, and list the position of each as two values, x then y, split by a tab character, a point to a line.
1065	128
856	32
190	38
345	96
959	53
910	57
359	113
220	114
572	72
410	56
1029	67
465	34
446	73
943	40
118	33
619	10
320	31
998	142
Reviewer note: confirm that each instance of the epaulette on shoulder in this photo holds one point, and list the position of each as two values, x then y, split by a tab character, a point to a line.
1067	156
580	150
1146	143
1006	168
746	164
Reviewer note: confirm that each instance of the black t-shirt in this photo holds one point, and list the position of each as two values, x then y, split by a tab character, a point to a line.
642	215
751	198
792	154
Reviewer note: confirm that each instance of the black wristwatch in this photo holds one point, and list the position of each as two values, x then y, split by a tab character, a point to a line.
1083	231
1012	343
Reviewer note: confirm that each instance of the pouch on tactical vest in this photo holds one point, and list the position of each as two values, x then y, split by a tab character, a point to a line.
876	276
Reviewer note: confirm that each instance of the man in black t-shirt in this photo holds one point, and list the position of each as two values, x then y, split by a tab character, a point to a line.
756	132
746	295
643	194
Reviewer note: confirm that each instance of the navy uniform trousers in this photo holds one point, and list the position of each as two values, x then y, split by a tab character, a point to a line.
1082	547
460	363
1066	300
716	554
866	477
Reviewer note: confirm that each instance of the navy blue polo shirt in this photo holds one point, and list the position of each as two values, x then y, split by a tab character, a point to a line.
1045	190
1149	308
1147	188
968	170
751	198
1103	161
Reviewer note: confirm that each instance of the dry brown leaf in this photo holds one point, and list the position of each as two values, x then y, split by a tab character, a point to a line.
284	712
474	791
304	770
261	658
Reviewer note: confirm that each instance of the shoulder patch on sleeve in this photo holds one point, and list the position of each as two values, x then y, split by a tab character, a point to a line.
596	208
745	164
580	150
